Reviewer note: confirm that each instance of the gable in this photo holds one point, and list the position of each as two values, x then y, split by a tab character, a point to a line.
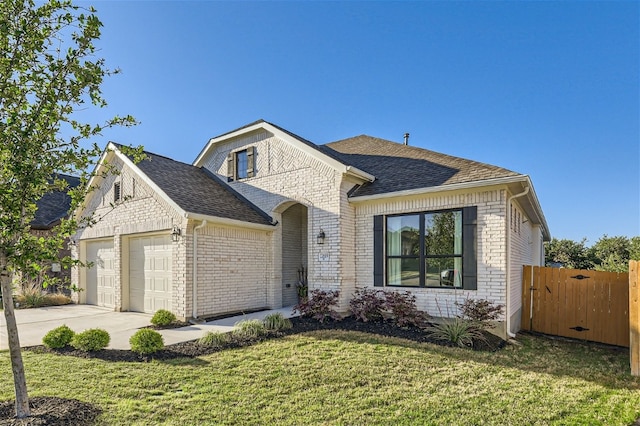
189	191
215	154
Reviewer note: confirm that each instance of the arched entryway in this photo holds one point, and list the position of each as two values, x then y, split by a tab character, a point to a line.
294	251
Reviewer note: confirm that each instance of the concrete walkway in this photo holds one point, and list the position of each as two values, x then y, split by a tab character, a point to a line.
33	324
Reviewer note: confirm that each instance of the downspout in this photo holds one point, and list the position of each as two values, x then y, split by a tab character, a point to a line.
508	256
194	285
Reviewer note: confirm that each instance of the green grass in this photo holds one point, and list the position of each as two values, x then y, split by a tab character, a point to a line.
348	378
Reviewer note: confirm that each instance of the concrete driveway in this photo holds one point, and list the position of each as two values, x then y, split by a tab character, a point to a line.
33	324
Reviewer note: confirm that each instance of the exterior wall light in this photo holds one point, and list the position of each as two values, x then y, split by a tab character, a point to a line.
320	238
175	234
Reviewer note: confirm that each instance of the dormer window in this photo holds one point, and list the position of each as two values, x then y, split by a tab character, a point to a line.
240	164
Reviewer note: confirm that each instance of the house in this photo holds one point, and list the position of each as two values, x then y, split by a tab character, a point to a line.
231	231
51	208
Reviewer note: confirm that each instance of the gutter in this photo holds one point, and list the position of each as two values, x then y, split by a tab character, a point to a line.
440	188
508	257
194	284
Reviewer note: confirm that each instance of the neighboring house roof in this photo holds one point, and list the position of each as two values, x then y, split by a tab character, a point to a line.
196	190
54	205
399	167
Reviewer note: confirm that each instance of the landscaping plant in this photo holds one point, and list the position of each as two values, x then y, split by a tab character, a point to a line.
481	312
249	329
276	322
320	306
58	338
215	339
146	341
368	305
403	309
163	318
90	340
456	330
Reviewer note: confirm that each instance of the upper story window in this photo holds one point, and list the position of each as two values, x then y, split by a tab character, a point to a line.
117	192
426	249
240	164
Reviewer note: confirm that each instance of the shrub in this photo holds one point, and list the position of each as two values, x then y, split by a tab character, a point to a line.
368	305
403	309
480	311
146	341
276	322
249	329
319	306
163	318
216	339
458	331
93	339
58	338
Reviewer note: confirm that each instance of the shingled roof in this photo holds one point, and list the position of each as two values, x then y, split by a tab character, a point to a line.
54	205
399	167
199	191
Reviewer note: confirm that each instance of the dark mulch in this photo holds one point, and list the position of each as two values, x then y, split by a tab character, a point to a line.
60	411
51	410
192	349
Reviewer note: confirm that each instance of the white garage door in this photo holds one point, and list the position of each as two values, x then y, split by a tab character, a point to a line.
150	273
101	276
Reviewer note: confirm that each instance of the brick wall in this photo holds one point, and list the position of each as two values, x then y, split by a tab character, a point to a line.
285	174
231	276
491	245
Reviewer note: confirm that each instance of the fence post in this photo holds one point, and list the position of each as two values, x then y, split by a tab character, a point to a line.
634	316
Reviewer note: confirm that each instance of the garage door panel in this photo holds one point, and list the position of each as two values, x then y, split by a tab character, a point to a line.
150	274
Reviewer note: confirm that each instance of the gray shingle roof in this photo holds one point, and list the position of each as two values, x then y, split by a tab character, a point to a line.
54	205
198	191
399	167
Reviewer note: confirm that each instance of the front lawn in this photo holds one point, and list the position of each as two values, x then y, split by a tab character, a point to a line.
350	378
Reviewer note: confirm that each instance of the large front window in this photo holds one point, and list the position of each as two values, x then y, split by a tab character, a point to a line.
424	249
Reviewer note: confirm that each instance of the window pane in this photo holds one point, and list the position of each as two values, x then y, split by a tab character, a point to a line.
444	272
404	272
403	236
241	165
443	233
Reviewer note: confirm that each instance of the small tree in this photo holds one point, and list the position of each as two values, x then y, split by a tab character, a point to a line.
48	71
571	254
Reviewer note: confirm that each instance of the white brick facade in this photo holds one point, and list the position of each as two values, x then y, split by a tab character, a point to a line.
284	174
241	267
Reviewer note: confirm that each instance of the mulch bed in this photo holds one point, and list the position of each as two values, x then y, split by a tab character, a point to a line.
60	411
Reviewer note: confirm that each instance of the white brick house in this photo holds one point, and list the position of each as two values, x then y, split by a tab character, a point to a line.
230	232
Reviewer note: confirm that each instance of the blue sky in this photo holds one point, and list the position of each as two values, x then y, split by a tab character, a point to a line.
547	89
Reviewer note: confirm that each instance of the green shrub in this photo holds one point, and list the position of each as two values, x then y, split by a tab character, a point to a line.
249	329
458	331
276	322
58	338
146	341
93	339
215	339
163	318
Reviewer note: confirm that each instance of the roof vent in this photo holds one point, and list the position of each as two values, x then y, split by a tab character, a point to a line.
406	138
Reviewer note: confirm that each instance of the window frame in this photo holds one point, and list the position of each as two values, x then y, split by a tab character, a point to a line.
117	192
234	164
469	250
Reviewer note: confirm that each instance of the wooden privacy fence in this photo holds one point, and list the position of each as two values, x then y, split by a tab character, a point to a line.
581	304
634	316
